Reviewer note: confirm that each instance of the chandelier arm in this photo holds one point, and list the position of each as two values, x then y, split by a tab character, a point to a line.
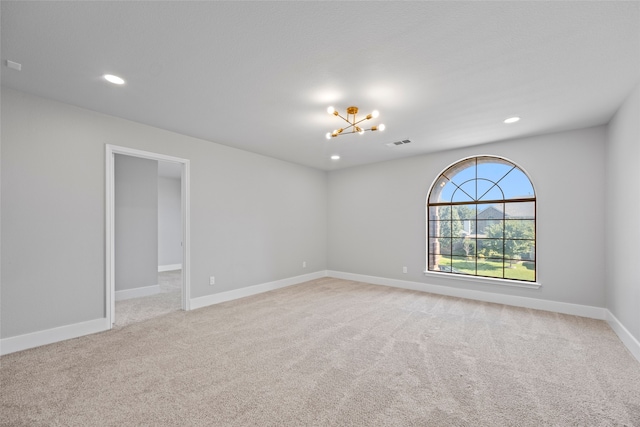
351	124
344	119
359	121
353	131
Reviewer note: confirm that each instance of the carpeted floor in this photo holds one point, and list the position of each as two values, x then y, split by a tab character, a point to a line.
331	353
139	309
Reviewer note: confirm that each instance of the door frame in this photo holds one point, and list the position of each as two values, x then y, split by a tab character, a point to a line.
110	288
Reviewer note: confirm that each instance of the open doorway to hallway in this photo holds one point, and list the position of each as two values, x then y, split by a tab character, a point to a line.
147	228
148	257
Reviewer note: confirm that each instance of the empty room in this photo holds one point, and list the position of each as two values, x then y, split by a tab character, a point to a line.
320	213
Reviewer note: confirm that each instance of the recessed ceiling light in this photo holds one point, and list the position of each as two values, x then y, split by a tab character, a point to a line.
114	79
335	157
512	120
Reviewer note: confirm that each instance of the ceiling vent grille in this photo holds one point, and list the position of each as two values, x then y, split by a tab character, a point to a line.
398	143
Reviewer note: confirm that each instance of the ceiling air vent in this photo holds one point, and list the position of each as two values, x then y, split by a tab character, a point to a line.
398	143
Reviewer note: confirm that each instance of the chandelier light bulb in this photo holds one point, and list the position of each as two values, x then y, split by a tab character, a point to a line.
331	110
375	113
328	135
381	127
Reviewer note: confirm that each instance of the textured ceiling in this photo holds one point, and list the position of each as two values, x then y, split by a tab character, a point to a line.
260	75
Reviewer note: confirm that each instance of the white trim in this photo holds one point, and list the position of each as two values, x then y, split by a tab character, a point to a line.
253	290
110	151
632	344
485	280
144	291
185	180
169	267
49	336
517	301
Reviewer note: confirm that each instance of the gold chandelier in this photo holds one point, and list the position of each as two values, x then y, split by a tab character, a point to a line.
353	122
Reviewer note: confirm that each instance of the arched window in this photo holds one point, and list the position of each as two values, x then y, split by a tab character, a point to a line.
481	220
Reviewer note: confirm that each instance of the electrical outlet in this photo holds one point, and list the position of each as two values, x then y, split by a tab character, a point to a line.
404	269
304	264
212	280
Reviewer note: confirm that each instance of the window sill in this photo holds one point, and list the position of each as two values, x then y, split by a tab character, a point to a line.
485	280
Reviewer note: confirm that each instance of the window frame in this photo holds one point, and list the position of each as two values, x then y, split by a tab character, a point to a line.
460	166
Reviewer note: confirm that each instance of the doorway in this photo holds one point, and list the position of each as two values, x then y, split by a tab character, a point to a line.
179	279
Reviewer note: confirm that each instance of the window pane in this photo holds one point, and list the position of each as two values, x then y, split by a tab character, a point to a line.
516	185
520	210
440	228
435	248
484	186
440	212
491	211
465	212
490	267
490	248
490	228
442	191
530	253
519	249
494	193
443	263
433	211
519	229
445	245
457	228
469	188
519	271
461	196
462	265
462	172
493	169
468	247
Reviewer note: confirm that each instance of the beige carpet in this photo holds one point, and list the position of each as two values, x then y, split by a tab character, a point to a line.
139	309
331	353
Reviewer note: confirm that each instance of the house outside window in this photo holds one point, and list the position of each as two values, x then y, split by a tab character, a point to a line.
481	221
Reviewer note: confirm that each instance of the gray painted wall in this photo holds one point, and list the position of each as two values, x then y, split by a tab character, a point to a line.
136	222
623	205
169	222
377	221
254	219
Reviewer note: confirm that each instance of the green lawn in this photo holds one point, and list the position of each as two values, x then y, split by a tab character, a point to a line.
491	269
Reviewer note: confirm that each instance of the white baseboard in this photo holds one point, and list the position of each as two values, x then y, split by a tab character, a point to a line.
253	290
169	267
517	301
144	291
49	336
625	336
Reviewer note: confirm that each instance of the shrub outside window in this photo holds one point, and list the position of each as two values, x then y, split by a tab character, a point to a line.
481	220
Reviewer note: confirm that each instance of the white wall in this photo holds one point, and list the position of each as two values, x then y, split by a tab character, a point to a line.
377	221
254	219
136	222
623	204
169	222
